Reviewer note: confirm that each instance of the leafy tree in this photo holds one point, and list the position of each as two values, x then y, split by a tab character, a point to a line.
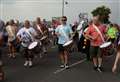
103	12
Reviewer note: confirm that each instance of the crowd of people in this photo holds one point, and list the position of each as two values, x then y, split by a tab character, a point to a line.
18	36
86	36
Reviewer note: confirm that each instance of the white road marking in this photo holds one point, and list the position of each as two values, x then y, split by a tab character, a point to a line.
76	63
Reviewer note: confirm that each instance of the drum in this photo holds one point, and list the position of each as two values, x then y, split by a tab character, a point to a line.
34	47
106	44
107	49
68	45
43	38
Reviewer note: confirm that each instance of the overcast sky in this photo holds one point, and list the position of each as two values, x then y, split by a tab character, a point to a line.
30	9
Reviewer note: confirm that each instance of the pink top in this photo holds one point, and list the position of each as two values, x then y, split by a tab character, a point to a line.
93	32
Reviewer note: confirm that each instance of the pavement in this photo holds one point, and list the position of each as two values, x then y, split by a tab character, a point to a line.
46	69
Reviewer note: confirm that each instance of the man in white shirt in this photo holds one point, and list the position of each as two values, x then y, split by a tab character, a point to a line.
26	36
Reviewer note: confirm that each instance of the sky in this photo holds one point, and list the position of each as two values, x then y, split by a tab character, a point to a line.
30	9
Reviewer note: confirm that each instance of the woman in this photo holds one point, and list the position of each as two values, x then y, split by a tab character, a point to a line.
95	41
26	36
11	30
118	54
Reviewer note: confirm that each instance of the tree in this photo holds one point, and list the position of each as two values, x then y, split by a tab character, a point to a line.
103	12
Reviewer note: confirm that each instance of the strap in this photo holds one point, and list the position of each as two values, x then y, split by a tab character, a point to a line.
80	28
99	32
39	29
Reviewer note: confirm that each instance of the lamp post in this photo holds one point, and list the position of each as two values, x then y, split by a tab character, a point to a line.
1	9
63	5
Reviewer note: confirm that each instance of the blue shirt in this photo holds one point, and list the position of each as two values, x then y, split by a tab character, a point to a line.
64	31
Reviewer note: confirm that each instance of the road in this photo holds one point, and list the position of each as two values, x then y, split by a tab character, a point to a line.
47	69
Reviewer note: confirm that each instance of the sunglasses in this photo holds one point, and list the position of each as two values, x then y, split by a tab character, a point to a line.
64	20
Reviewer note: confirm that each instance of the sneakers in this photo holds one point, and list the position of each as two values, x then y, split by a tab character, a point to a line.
100	69
64	66
26	63
95	68
61	66
9	55
29	63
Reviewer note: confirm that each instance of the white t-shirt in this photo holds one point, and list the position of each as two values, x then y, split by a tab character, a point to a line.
26	35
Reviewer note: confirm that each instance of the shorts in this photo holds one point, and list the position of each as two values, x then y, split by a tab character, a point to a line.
60	48
25	52
13	42
95	51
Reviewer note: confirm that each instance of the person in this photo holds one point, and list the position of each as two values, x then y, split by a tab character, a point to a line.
1	36
111	33
1	64
83	43
45	23
76	35
42	31
63	31
2	24
118	54
11	30
54	36
95	41
1	42
26	36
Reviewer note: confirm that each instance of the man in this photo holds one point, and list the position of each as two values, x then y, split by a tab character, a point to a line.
11	30
63	31
26	36
42	31
95	40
